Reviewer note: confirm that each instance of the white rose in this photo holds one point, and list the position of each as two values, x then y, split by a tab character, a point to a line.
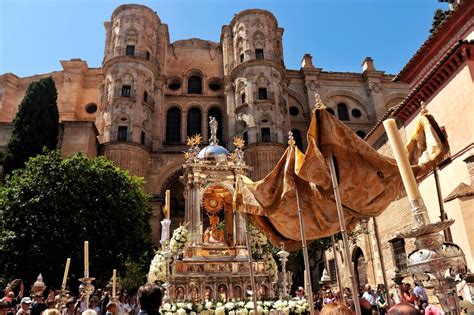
181	311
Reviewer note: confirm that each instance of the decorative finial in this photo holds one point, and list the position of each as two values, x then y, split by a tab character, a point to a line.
424	110
291	140
239	142
193	142
213	125
238	155
318	103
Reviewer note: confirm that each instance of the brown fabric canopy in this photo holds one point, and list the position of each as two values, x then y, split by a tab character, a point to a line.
368	182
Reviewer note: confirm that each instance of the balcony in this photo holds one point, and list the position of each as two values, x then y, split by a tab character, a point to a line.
127	137
254	56
138	54
267	138
268	96
124	93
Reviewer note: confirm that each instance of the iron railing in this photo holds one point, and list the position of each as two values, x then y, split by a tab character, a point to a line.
143	55
270	96
267	137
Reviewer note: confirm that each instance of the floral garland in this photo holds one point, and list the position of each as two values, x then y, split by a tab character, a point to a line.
179	239
157	268
294	306
271	266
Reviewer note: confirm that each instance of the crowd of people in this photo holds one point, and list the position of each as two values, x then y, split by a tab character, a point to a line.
100	303
402	299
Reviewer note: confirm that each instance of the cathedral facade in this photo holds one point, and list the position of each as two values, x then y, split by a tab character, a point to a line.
150	94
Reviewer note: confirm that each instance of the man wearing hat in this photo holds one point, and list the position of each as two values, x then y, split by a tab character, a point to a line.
25	306
38	305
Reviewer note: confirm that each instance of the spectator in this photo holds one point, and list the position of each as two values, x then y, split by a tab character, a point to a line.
421	296
149	298
69	309
336	308
382	299
299	293
9	301
369	296
51	311
25	306
38	305
403	309
111	309
87	312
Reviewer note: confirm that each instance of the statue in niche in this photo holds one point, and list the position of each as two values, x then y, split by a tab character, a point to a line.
263	292
208	294
222	293
180	294
213	126
194	293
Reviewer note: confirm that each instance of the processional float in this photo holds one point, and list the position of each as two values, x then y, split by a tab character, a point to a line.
217	262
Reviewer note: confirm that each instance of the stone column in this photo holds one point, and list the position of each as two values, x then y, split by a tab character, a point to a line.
204	124
183	126
197	223
230	106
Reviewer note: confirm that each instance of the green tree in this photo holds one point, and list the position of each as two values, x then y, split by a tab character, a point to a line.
35	125
439	16
53	205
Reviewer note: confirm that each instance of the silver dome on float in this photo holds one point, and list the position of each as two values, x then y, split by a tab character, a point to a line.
213	152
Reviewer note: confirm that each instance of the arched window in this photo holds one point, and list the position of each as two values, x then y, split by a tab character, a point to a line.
194	122
298	138
216	113
342	112
173	125
194	85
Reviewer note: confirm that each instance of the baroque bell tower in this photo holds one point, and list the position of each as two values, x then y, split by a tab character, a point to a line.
255	86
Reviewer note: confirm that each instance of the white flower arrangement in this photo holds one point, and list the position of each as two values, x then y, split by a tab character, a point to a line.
179	239
157	270
294	306
258	238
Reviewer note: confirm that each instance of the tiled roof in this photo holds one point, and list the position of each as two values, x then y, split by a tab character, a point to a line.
462	190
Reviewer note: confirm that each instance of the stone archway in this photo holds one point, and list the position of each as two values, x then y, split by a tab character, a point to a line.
360	267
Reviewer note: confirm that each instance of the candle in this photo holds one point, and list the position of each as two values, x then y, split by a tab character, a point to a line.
66	271
86	259
167	204
114	277
401	157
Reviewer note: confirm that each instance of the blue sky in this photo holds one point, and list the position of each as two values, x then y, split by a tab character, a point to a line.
36	34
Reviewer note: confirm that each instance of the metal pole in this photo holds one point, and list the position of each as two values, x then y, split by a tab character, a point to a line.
447	233
252	278
382	263
309	289
338	276
342	223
